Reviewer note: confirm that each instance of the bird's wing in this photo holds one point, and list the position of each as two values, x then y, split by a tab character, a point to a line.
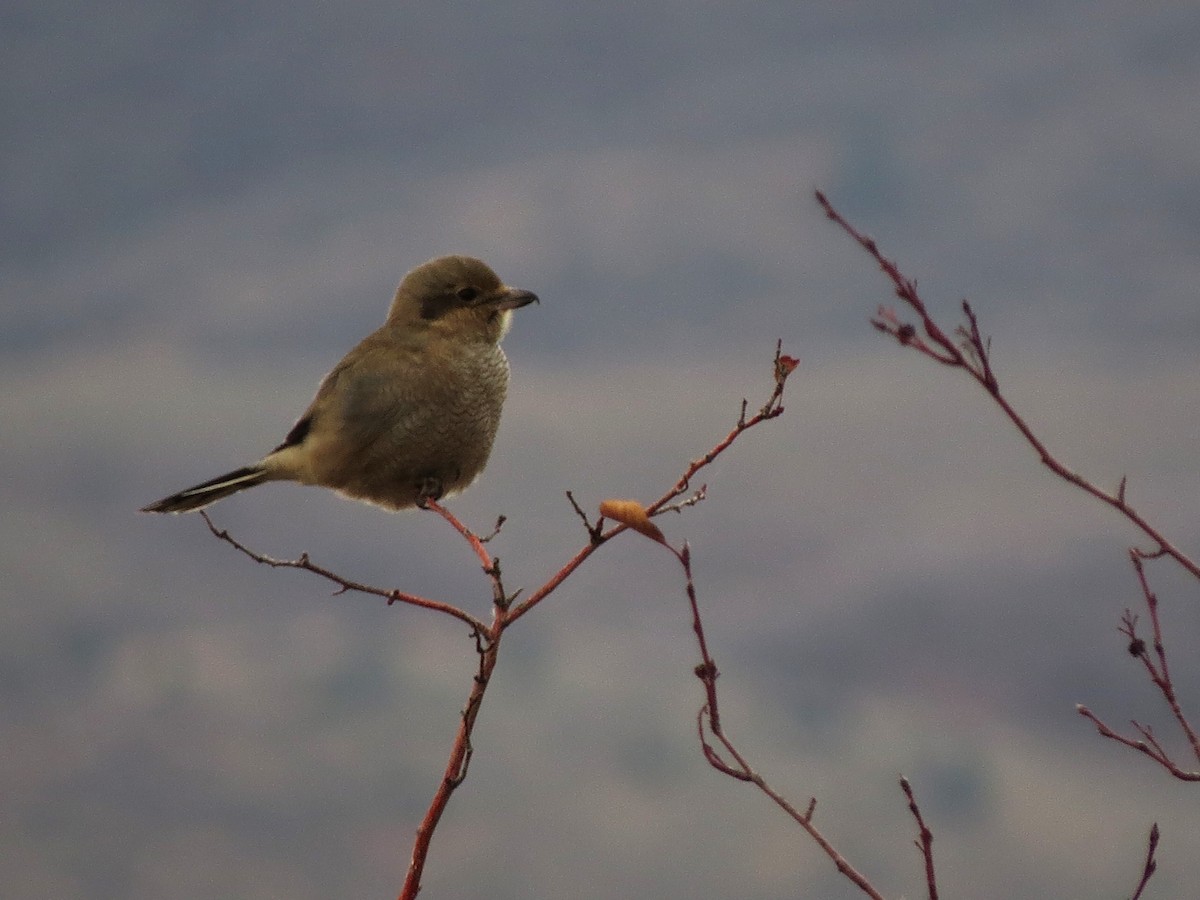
376	384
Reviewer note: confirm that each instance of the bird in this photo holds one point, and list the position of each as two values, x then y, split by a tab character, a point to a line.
410	414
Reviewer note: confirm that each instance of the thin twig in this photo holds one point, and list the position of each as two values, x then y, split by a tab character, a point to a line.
782	366
1151	864
1159	672
594	531
468	535
709	723
344	584
1160	675
698	496
500	520
1150	747
924	842
972	353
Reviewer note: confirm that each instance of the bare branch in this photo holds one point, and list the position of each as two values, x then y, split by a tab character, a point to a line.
1159	673
973	354
729	761
1149	748
487	644
344	584
505	614
594	531
500	520
468	535
924	841
1151	865
782	367
699	495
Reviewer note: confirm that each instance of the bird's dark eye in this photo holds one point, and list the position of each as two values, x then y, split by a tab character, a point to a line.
467	294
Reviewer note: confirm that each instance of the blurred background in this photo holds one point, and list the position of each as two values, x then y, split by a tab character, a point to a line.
206	204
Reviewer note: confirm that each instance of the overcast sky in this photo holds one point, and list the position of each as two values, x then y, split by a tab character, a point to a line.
205	205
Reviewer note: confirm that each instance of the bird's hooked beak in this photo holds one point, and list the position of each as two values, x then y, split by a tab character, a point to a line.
514	298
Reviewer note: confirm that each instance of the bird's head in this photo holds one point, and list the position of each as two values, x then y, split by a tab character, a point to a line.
460	294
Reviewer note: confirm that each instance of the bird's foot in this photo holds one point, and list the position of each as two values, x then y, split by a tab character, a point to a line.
429	488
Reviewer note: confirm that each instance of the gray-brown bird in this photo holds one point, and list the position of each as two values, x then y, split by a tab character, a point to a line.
409	414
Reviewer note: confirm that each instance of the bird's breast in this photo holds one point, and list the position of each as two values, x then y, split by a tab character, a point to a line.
433	421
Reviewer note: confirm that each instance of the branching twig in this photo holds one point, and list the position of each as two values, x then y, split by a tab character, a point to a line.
1160	675
487	646
595	532
1148	744
698	495
1156	668
488	637
729	760
469	536
782	367
344	584
726	759
970	351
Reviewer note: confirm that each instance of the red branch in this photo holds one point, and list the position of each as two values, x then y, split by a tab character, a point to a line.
924	840
487	646
1160	675
1151	865
344	584
773	408
475	542
505	613
708	722
970	351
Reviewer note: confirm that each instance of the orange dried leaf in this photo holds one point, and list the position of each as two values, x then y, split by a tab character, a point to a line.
633	514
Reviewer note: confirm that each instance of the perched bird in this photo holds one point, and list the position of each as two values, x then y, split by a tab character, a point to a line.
409	414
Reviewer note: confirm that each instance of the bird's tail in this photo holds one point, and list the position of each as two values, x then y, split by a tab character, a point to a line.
210	491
